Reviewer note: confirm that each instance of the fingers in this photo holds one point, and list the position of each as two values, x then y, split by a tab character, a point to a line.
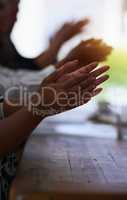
87	85
72	80
86	96
98	43
66	68
100	71
102	79
88	90
108	50
97	91
90	85
87	68
89	41
74	74
78	76
80	24
89	95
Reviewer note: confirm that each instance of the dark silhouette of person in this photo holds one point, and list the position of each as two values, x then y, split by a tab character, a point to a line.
9	57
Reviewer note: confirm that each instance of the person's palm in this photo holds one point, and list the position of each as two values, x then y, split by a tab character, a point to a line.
90	51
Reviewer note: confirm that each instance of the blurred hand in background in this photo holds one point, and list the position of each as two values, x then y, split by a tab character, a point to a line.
65	33
88	51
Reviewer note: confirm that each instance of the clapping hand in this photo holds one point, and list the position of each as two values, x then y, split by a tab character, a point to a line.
88	51
69	30
71	86
65	33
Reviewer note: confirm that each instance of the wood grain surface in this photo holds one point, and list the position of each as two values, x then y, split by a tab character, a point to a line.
71	166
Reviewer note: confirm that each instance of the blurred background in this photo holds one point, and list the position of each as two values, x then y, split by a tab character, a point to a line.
37	21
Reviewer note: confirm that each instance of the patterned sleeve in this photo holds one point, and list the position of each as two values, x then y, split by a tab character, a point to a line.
1	108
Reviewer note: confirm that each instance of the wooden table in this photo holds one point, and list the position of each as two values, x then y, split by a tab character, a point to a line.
71	167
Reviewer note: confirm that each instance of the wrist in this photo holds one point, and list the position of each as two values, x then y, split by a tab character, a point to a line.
55	45
35	107
52	55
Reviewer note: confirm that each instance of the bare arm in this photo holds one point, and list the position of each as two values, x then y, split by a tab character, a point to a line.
9	110
47	58
16	128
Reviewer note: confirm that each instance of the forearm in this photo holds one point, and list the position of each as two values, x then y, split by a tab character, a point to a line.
16	128
44	60
9	109
49	56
